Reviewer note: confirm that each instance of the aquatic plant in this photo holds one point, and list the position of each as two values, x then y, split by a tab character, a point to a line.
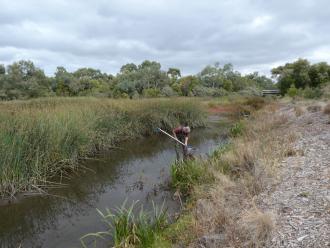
128	229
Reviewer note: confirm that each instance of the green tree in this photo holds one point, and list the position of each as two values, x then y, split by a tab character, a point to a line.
187	84
2	69
174	73
130	67
25	80
302	74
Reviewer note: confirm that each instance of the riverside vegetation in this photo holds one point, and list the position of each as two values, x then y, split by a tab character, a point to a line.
42	138
219	191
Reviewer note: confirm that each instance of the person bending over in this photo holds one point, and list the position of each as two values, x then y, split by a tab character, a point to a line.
182	133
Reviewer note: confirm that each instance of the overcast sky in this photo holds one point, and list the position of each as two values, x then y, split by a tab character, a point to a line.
253	35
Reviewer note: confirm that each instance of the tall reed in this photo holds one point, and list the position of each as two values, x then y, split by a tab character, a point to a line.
39	138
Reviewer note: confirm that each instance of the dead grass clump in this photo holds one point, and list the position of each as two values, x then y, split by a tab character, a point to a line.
256	228
298	110
326	109
239	159
314	108
213	211
290	152
255	102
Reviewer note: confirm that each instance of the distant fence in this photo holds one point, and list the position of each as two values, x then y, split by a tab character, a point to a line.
270	92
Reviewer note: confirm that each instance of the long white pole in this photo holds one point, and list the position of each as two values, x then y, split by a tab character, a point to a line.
172	137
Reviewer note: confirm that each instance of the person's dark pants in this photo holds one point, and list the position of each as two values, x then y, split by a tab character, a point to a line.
184	149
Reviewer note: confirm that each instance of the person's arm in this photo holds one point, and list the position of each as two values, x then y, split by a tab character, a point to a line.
186	140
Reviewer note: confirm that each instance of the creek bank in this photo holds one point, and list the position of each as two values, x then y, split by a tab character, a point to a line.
275	190
137	171
220	209
42	138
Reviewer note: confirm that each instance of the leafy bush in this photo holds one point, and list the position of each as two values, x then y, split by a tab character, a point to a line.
151	92
292	91
168	91
250	91
311	93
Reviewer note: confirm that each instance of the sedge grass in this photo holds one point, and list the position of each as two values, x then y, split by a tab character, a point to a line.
129	229
39	138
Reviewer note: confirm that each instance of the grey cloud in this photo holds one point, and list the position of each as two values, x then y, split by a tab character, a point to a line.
252	34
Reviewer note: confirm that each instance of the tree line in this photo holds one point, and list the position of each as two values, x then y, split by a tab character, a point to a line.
302	76
23	80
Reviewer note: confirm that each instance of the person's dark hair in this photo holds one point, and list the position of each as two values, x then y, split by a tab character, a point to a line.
185	124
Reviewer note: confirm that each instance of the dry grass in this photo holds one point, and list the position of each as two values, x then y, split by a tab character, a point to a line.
314	108
298	110
228	208
326	109
256	227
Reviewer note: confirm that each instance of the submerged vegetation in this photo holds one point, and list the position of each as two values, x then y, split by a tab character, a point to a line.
40	138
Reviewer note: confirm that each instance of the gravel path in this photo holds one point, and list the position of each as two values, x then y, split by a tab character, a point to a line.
301	199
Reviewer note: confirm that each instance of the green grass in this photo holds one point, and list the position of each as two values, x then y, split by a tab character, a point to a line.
128	229
237	129
40	138
187	174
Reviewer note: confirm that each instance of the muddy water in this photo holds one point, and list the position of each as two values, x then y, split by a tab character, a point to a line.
138	170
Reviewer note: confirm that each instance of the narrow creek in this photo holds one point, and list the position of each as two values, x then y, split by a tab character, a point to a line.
139	170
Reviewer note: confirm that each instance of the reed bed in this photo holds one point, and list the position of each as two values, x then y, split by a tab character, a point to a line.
43	137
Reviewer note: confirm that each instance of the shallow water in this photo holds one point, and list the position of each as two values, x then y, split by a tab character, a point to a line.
139	170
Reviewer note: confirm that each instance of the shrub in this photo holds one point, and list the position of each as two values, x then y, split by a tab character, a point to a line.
168	91
151	92
312	93
255	102
202	91
250	91
292	91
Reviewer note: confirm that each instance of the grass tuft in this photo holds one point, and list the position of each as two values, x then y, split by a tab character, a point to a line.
326	109
256	227
187	174
129	229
